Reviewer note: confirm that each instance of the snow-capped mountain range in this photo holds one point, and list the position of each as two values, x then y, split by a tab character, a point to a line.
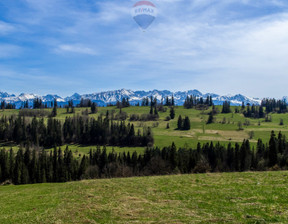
104	98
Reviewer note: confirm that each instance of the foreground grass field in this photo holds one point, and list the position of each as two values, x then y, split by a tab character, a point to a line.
198	198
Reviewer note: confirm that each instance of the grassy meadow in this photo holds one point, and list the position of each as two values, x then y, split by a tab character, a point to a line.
197	198
224	129
251	197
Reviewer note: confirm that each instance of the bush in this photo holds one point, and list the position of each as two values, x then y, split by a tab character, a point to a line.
157	166
275	168
134	117
121	116
6	182
161	108
92	172
202	166
144	117
251	134
168	118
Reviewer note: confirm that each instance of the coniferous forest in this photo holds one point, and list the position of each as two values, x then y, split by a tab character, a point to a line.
29	165
77	129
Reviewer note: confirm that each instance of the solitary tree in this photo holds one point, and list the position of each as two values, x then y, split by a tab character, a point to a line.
210	119
172	113
93	108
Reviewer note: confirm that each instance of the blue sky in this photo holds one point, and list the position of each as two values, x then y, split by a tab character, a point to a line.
85	46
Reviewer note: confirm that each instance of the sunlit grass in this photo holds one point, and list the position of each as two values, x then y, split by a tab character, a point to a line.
197	198
223	130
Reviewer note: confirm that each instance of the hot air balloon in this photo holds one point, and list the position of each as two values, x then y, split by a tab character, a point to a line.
144	13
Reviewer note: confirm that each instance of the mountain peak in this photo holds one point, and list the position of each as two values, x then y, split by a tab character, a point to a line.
103	98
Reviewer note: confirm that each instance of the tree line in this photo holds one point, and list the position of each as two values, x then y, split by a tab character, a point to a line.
34	166
273	105
76	129
193	101
4	105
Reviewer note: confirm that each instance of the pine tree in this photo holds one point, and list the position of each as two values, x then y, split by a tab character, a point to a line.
151	110
179	123
156	112
210	101
167	101
186	124
272	150
93	108
55	103
173	156
2	105
226	107
54	112
83	167
172	101
172	113
210	118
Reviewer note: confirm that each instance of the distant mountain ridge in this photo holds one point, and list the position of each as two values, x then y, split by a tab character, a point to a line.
110	97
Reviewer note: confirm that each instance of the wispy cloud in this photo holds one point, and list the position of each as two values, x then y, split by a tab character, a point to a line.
6	28
233	52
112	11
9	51
192	44
75	48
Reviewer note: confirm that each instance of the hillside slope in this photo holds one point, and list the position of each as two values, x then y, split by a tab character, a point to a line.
198	198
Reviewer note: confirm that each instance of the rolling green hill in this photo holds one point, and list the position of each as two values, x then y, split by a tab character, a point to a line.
224	129
198	198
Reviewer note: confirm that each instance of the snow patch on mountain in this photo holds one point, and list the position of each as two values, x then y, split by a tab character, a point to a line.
106	97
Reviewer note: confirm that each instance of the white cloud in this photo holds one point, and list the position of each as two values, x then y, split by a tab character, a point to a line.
192	44
75	48
240	54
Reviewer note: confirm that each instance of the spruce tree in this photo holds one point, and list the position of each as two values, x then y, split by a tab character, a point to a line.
210	101
210	118
186	124
151	110
93	108
156	112
226	107
179	123
54	112
272	150
172	113
167	102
